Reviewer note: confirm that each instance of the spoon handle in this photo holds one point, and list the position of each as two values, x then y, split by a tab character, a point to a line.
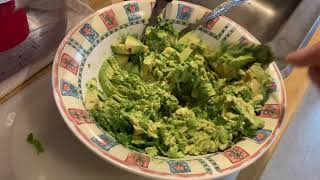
216	12
158	7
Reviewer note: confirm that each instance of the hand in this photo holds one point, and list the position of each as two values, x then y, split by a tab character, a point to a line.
308	57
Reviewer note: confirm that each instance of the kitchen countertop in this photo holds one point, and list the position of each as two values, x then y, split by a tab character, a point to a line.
296	84
296	157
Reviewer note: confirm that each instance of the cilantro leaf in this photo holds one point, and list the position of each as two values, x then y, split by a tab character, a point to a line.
35	142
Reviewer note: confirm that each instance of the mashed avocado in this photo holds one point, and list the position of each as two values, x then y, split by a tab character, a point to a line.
174	98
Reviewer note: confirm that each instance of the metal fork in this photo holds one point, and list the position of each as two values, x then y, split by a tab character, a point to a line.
218	11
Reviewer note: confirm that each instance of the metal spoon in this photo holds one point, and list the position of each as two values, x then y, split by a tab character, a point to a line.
218	11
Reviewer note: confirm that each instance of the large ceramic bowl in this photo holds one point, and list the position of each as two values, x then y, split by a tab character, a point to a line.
81	54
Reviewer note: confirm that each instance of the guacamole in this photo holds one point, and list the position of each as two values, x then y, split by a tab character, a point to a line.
177	97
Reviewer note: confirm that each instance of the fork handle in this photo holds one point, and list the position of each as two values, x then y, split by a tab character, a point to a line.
216	12
222	8
158	7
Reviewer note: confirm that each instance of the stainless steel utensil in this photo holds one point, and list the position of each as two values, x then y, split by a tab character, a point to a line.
218	11
279	55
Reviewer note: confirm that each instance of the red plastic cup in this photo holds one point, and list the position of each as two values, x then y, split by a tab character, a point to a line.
14	27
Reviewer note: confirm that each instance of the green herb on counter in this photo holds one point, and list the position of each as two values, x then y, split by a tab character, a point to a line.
35	142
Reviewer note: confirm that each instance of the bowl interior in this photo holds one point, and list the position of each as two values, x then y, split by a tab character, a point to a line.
81	55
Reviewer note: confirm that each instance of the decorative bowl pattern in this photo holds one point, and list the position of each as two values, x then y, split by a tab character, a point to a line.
81	54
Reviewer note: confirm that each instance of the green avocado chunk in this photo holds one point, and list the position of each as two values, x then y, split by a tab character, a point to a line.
131	46
179	97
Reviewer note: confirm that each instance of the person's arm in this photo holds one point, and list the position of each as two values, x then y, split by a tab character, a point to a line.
308	57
